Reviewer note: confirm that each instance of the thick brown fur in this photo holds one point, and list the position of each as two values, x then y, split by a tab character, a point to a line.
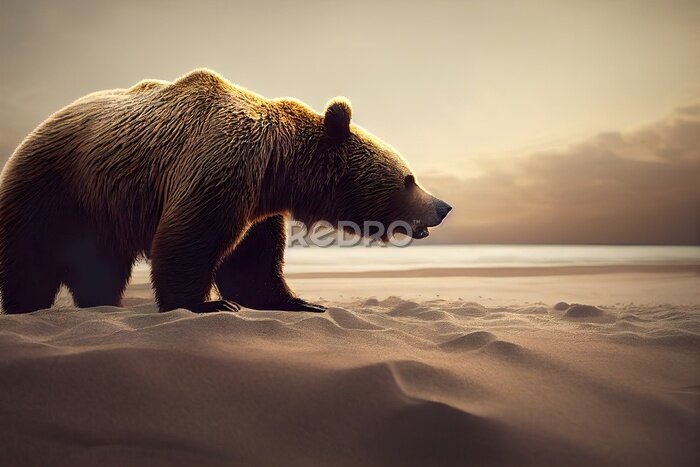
195	175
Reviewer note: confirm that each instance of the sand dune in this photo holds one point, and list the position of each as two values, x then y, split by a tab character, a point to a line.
374	381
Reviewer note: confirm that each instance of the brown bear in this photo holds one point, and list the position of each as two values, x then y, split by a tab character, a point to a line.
196	175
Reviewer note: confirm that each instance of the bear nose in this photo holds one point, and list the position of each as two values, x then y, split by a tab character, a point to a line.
442	209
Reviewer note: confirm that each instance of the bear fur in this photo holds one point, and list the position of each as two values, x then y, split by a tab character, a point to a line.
197	175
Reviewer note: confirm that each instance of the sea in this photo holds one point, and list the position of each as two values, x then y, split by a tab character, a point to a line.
359	258
376	258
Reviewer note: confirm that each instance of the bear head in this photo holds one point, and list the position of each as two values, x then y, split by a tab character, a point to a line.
374	185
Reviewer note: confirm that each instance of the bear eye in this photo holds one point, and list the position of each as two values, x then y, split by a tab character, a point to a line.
409	181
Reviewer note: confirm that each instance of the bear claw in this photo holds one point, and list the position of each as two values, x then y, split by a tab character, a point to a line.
298	304
214	306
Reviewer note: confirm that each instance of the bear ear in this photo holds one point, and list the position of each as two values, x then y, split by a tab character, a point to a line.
337	118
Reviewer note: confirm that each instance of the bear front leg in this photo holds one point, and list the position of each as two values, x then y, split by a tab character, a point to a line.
252	274
184	254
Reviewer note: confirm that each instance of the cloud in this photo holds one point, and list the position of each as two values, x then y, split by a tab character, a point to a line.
638	187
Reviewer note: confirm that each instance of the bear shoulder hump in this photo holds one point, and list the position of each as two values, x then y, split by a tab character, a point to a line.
201	78
147	85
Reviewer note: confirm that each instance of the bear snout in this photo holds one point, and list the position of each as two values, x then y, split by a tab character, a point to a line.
436	211
442	209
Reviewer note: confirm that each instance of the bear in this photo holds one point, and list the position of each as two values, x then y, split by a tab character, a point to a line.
197	176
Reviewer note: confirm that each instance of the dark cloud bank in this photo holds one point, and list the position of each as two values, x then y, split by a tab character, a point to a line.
639	187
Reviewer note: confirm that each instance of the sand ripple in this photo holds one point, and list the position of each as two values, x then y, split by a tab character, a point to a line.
370	382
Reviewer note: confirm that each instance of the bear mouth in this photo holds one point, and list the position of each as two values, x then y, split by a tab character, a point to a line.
420	232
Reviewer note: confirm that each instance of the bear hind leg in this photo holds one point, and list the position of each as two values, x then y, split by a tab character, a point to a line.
28	287
97	276
30	273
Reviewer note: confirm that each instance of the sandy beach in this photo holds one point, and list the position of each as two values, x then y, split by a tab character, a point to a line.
539	305
424	370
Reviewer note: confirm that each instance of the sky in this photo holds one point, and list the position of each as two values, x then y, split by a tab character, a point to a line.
540	121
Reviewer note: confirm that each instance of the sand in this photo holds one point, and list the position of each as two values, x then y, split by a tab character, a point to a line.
422	370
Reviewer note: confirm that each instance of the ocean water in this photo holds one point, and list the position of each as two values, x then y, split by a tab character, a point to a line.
360	259
335	259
